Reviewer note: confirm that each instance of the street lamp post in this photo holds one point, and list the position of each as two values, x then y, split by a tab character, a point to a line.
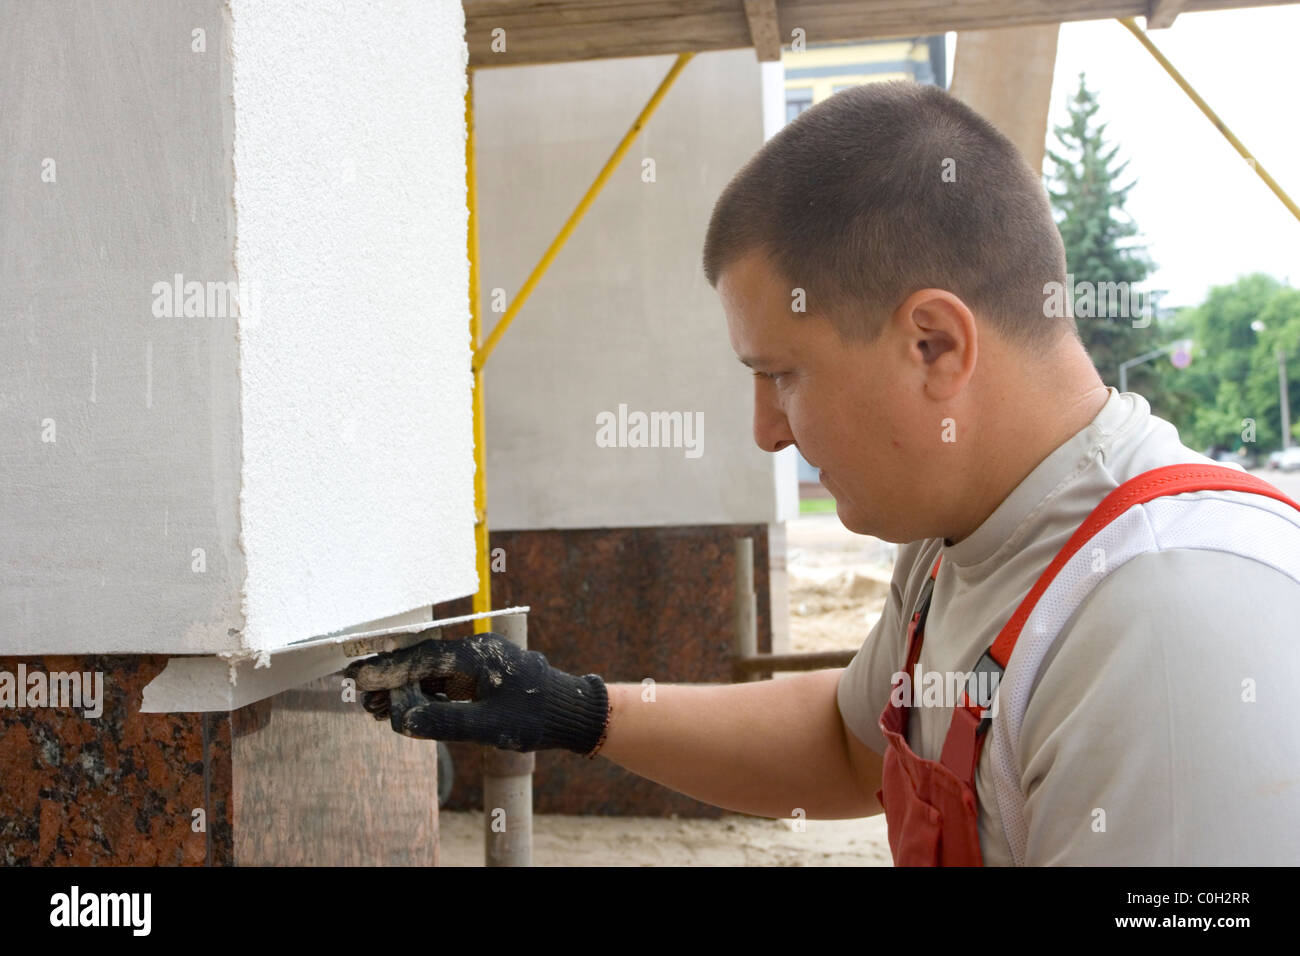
1283	397
1286	402
1182	344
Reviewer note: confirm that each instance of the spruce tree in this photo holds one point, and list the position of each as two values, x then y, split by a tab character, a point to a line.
1098	236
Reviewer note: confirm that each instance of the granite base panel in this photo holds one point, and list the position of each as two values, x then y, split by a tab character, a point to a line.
302	778
120	788
318	782
627	604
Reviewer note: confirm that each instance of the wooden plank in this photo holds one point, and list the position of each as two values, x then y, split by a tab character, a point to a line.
1006	76
548	31
825	20
764	32
1163	12
595	13
575	31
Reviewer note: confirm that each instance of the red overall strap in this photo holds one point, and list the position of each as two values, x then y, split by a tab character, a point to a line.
915	635
965	740
916	629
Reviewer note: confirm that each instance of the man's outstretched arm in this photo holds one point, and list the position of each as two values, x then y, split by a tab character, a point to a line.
767	747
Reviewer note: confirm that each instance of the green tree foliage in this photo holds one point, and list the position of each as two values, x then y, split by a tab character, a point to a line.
1233	377
1099	240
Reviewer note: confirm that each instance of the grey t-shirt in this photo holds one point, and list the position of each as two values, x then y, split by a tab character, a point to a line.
1168	702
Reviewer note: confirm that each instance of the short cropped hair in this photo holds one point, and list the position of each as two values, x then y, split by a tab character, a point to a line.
887	188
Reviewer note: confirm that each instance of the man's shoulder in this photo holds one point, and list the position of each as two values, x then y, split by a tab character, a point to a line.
1168	698
1175	583
1197	607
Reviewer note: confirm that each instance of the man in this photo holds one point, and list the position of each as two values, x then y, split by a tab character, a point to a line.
884	263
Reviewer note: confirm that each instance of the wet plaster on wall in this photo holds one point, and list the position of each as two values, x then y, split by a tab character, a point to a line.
357	493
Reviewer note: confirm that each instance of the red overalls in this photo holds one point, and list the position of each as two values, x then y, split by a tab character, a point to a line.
930	806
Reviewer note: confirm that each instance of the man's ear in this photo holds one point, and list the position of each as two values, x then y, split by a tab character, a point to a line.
935	343
941	338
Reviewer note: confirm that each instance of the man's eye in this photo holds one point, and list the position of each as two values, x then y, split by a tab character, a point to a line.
773	376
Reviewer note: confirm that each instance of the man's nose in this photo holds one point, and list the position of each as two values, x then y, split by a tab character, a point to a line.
771	429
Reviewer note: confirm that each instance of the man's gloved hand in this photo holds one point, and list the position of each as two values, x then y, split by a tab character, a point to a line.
485	689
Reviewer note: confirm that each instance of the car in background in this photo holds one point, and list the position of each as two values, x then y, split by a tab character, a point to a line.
1287	460
1240	457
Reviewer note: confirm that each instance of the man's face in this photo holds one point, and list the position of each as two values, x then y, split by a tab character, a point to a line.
845	405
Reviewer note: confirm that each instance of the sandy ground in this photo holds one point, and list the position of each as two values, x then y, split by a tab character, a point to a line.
734	840
838	584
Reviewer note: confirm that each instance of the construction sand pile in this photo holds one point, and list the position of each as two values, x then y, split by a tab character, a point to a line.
838	584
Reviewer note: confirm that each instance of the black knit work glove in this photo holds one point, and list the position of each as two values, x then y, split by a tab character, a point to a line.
484	689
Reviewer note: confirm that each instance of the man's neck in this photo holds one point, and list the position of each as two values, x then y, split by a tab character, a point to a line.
1027	448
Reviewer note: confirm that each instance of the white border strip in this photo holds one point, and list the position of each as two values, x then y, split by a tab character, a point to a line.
205	683
415	626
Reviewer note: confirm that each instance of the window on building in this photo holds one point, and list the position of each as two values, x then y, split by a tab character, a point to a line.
796	101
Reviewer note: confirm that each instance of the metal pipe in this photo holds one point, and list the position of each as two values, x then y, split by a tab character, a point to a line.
744	612
1219	124
764	664
508	785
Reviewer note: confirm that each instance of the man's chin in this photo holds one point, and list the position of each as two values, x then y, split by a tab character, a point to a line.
852	520
859	523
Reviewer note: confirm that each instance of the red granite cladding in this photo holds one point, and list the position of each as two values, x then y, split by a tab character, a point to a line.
624	603
319	782
119	788
284	781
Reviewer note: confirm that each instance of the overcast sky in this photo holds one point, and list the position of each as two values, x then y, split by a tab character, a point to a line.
1205	216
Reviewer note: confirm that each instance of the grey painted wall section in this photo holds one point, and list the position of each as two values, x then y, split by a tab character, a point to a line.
119	431
184	483
624	316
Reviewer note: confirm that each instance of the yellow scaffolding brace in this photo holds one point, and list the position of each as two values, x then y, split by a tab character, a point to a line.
483	598
1219	124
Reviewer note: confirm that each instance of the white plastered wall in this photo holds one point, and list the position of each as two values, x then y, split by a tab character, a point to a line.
351	216
197	483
